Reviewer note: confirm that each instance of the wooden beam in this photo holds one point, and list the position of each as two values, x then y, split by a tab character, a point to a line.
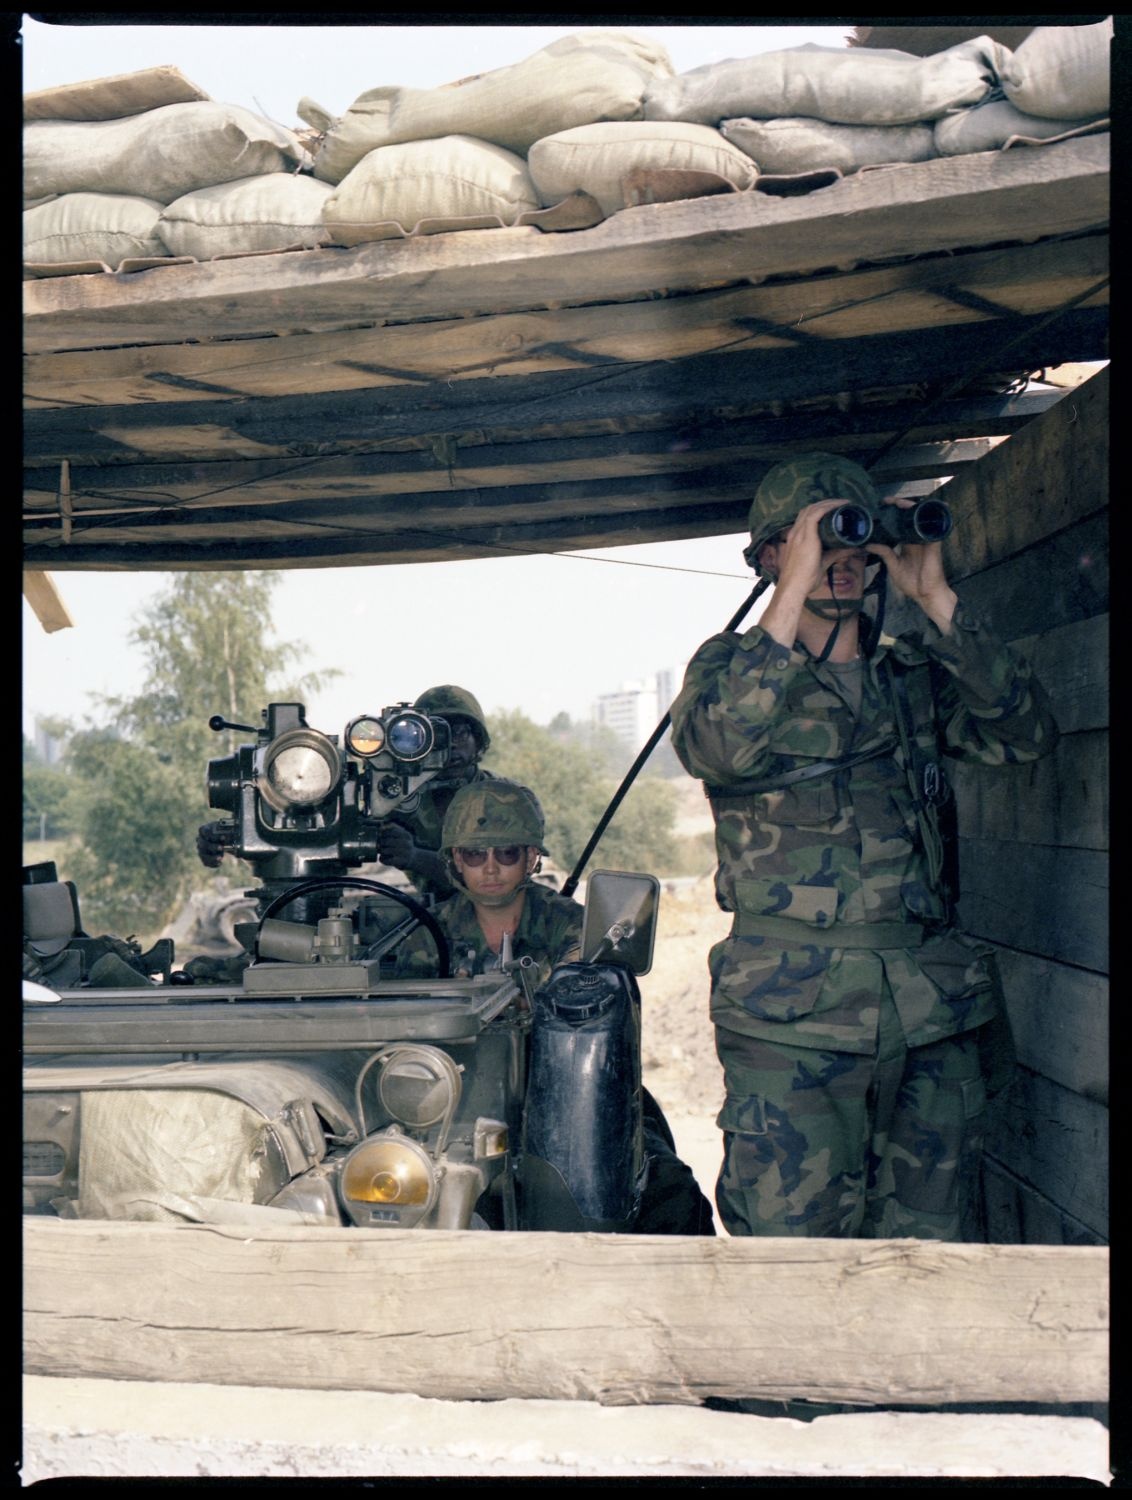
1071	662
1042	481
678	391
1062	579
1062	799
1024	279
1016	1211
1046	901
1057	1142
470	459
1059	1017
616	1319
43	596
947	204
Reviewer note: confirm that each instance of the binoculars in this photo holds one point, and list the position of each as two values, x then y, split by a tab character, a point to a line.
853	526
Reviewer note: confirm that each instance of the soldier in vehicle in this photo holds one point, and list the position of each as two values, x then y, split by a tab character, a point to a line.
851	1017
411	841
494	836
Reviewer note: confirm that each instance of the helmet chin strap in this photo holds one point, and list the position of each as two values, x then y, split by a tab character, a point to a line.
822	608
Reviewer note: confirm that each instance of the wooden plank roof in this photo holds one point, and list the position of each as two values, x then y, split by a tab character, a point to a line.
465	394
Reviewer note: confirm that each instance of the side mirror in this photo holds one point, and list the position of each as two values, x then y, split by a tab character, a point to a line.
619	925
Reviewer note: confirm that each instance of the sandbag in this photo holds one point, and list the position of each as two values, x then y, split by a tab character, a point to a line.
1061	72
276	211
426	187
997	123
602	159
160	154
140	1146
844	85
86	231
575	80
112	98
798	144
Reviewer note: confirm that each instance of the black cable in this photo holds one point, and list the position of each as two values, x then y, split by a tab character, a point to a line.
649	746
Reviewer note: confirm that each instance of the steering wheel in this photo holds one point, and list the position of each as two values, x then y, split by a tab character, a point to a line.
424	918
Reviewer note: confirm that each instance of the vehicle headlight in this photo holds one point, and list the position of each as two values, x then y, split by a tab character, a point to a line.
419	1085
300	769
388	1179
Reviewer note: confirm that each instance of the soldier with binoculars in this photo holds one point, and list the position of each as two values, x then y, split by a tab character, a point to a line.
853	1021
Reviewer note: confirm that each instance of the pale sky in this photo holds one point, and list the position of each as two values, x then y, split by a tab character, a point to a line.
539	633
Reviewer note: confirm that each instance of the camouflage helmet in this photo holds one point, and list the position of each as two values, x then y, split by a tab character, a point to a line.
789	487
493	812
448	701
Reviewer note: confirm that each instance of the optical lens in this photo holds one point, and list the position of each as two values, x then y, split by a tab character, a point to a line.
932	520
410	736
851	525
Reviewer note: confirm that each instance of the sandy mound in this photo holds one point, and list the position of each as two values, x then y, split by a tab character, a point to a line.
678	1050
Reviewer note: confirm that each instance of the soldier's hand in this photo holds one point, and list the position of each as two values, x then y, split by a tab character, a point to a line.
802	557
212	840
395	845
917	572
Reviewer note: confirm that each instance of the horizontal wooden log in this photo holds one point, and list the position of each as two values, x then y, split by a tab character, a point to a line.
1071	662
1059	1017
1049	476
677	389
1017	279
947	204
1049	902
1062	799
1056	1142
616	1319
1058	581
468	461
321	549
1016	1214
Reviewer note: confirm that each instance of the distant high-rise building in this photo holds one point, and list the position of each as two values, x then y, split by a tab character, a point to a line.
631	712
669	681
49	748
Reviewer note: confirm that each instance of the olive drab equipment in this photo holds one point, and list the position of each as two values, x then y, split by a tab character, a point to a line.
451	701
495	812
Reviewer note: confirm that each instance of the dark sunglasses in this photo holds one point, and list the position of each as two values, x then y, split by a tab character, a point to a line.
509	854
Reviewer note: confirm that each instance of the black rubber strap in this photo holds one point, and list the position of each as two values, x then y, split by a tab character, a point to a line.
788	778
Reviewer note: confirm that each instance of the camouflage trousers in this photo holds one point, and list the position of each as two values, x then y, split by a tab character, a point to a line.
838	1144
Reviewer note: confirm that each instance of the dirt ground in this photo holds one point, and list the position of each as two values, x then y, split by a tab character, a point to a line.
678	1053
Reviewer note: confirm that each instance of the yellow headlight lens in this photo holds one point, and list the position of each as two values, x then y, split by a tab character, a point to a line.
365	736
389	1170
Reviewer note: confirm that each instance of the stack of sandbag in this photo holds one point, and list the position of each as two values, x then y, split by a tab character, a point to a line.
1056	84
140	168
456	157
812	108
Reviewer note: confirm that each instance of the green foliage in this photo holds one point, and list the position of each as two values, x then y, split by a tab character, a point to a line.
136	855
208	651
48	813
575	788
139	780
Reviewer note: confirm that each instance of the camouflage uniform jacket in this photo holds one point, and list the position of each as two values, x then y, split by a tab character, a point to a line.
845	848
426	824
549	931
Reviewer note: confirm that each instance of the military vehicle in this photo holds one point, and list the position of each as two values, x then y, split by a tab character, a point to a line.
314	1085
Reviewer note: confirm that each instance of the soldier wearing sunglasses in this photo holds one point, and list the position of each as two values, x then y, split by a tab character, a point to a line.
493	840
493	836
